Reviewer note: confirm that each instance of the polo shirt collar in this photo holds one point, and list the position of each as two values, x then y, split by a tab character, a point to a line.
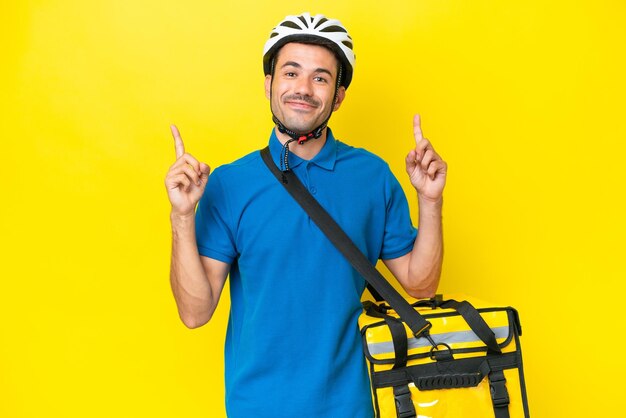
325	158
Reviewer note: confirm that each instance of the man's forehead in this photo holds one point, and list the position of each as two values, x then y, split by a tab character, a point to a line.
306	55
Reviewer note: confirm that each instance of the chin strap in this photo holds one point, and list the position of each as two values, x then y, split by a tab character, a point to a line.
284	156
301	138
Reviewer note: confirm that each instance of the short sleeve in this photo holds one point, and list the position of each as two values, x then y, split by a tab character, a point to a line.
400	233
214	229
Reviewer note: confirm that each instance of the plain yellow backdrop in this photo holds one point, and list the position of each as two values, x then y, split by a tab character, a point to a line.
525	101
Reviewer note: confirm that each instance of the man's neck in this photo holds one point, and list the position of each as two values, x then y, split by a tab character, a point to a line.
306	151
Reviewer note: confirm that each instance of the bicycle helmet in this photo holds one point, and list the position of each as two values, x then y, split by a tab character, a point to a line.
317	30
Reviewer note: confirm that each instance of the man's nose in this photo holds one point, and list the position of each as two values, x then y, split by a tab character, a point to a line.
304	86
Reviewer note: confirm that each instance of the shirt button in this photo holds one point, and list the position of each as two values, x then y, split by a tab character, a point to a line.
313	190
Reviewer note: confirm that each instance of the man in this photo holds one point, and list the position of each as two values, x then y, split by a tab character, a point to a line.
293	347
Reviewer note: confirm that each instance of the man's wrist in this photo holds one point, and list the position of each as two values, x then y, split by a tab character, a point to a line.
426	203
182	219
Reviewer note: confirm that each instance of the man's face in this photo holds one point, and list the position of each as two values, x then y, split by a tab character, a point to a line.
303	88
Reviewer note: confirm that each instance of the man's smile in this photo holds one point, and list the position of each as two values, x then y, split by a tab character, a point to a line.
300	102
300	105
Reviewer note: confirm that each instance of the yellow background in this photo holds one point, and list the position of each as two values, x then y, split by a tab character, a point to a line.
524	100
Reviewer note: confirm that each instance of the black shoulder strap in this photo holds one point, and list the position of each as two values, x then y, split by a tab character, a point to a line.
418	325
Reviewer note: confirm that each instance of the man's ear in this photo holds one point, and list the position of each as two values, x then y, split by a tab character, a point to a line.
268	85
341	94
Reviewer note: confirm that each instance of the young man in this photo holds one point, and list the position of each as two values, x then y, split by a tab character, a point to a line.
293	346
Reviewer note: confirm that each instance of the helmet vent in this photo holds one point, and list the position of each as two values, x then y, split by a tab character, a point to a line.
320	22
289	25
334	29
348	44
303	20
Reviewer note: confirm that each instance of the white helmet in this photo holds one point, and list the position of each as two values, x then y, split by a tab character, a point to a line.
317	30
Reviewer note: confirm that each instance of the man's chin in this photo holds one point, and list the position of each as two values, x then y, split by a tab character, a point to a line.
300	128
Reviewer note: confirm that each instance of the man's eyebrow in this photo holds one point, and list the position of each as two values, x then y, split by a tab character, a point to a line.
291	64
323	70
296	65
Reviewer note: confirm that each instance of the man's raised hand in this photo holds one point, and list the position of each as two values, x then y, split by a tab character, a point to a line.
186	179
425	167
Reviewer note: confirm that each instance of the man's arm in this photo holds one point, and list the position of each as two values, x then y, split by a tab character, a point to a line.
418	271
196	281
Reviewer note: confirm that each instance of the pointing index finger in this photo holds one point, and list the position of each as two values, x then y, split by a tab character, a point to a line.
178	142
417	128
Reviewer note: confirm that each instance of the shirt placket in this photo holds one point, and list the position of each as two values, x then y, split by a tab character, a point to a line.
309	181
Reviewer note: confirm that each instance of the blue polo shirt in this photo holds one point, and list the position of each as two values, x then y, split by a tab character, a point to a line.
293	346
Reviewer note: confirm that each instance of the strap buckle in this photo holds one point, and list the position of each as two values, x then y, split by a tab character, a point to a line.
404	405
497	385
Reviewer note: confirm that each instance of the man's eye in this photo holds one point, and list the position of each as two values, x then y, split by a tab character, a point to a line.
290	74
320	79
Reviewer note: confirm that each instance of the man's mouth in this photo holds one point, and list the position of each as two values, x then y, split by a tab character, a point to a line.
301	102
300	105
